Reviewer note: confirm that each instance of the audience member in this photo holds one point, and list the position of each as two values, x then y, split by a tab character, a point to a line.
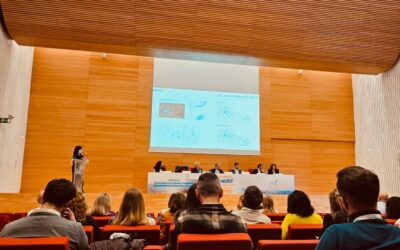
197	168
176	202
211	217
268	205
236	169
132	210
273	169
239	205
217	169
337	216
79	207
299	211
48	221
102	205
252	212
358	190
393	208
192	202
259	169
381	205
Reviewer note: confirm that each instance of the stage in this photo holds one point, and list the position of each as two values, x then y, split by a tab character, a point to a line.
24	202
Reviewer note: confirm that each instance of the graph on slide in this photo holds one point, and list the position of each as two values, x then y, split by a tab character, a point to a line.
204	121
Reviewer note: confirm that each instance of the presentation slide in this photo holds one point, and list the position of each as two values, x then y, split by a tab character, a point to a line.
199	121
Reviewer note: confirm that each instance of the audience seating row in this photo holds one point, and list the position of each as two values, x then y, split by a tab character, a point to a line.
237	241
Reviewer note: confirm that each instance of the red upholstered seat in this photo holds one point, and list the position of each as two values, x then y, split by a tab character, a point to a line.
4	219
54	243
287	244
264	232
276	216
391	221
102	220
304	231
236	241
154	247
89	233
17	216
151	233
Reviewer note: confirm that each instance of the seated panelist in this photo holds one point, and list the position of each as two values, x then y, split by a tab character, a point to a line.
196	168
217	169
159	167
273	169
236	169
259	169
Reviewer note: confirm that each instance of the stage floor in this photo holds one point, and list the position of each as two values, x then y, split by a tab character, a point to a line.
154	202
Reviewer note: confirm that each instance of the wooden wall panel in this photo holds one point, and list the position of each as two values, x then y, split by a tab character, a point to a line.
110	100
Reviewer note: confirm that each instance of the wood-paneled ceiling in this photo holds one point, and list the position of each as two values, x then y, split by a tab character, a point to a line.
349	35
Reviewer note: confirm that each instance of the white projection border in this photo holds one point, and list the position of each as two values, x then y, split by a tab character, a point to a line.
204	151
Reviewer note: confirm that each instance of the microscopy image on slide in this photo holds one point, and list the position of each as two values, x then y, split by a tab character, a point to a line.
172	110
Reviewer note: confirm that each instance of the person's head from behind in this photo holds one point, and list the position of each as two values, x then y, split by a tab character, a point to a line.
58	193
333	201
79	207
78	152
268	204
177	202
217	166
393	208
102	204
300	204
358	189
384	197
252	198
208	188
192	202
236	165
132	210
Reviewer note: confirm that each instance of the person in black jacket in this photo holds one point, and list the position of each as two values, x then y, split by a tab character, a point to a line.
217	169
197	168
236	169
259	169
273	169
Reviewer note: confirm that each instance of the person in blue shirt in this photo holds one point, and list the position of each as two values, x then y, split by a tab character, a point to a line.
358	191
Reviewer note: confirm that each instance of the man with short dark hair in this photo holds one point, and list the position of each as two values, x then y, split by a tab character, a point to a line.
252	211
211	217
236	169
47	221
358	190
217	169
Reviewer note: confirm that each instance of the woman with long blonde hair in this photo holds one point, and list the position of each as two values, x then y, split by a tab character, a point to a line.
102	205
132	210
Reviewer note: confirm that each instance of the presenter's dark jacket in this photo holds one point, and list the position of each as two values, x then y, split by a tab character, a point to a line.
197	170
255	171
213	170
233	171
271	172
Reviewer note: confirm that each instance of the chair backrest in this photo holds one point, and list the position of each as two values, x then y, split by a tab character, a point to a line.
237	241
391	221
53	243
264	232
4	220
304	231
151	233
102	220
89	233
276	216
287	244
17	216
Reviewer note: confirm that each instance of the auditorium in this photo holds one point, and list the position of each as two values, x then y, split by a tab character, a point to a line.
191	125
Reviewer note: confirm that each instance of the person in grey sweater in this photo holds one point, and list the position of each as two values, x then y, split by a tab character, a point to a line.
52	219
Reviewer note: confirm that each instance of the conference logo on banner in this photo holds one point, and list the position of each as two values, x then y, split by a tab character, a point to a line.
226	183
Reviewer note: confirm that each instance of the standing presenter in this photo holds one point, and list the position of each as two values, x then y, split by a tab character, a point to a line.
79	161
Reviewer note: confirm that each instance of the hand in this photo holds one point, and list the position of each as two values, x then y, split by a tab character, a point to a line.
68	214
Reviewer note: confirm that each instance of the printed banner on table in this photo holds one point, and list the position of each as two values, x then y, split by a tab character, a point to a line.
230	183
